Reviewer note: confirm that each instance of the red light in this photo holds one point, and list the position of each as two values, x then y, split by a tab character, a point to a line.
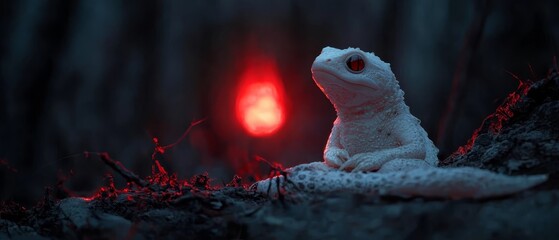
259	105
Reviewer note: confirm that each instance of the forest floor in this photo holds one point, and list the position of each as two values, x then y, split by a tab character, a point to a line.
521	137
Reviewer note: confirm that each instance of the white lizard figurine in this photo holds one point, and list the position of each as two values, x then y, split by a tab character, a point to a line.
374	125
377	146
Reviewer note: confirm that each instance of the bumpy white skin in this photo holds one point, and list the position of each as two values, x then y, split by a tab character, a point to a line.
374	125
377	147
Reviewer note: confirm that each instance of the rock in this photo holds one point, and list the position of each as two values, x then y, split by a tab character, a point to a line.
76	211
80	218
529	216
521	136
111	225
11	230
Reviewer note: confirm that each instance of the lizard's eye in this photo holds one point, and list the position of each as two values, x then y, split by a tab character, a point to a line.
355	63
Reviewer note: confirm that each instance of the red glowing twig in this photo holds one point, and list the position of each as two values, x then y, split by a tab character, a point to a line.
161	174
277	168
119	168
161	149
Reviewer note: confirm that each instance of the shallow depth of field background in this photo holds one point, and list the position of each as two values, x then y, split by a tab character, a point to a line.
109	76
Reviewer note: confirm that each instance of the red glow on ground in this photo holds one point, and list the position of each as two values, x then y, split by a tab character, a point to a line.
259	104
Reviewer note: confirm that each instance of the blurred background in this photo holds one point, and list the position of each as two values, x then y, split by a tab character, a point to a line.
109	76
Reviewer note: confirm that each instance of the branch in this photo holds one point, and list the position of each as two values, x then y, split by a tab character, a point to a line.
121	169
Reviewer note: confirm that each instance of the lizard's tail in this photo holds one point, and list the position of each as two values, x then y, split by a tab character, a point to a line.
453	183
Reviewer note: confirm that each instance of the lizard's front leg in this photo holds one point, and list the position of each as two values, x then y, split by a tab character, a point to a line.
334	154
410	146
373	161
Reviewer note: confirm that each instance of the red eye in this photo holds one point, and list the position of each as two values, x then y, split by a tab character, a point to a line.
355	63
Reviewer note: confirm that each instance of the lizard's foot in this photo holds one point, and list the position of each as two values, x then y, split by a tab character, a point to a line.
335	157
364	162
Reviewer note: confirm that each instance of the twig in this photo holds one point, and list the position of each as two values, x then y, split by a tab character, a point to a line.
277	171
161	149
121	169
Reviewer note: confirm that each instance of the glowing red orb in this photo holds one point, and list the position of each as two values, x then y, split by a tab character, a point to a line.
259	105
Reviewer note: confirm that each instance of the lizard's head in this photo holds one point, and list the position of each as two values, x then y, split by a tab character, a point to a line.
352	77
